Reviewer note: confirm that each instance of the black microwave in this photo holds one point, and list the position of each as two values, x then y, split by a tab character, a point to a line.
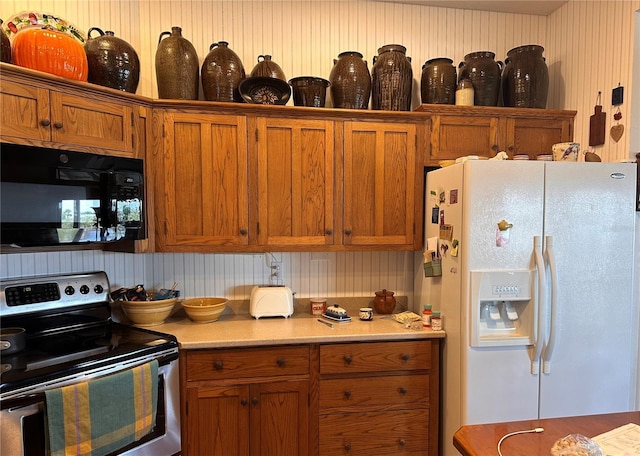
52	197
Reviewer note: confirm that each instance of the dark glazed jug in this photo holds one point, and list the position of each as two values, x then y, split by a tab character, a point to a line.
350	81
309	91
222	72
112	61
267	68
5	46
484	73
525	79
392	79
438	82
177	67
384	302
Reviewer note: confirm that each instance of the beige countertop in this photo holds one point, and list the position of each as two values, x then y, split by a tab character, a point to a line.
236	328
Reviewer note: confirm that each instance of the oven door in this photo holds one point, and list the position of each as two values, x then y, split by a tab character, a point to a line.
22	420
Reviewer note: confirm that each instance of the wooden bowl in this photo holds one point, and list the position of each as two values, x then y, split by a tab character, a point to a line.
204	310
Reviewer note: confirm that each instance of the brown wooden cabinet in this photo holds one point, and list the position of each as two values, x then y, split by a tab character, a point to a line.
382	185
379	398
364	398
200	176
295	182
42	112
246	401
457	131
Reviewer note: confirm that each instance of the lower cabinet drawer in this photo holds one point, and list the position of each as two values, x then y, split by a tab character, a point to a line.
377	433
374	393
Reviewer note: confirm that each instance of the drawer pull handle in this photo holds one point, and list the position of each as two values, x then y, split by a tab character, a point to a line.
348	359
243	402
218	365
406	357
329	231
58	125
347	394
347	446
347	232
403	390
402	442
243	231
45	122
254	401
281	363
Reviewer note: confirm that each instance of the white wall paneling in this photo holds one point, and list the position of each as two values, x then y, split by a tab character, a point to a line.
588	47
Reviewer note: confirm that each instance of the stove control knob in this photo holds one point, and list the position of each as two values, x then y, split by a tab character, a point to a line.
84	289
98	289
69	290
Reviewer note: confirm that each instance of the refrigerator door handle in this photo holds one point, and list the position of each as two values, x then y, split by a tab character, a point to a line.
542	287
548	349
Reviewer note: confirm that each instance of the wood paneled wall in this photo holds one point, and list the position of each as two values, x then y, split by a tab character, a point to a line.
588	47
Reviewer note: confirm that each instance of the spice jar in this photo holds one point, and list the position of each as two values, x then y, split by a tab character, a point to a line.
464	93
436	321
426	316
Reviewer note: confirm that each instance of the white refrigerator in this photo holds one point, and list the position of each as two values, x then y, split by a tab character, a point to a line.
536	264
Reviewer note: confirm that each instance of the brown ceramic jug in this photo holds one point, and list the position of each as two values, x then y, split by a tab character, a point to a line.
350	81
112	61
267	68
525	78
222	72
5	46
177	67
384	302
438	82
484	73
392	79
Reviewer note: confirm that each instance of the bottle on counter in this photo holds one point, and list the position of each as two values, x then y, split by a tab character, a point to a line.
426	316
436	321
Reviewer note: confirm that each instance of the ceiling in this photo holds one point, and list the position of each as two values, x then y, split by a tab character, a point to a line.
539	7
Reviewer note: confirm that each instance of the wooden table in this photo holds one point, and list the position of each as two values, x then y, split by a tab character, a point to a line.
482	439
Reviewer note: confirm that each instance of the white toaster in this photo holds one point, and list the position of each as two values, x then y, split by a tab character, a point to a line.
271	301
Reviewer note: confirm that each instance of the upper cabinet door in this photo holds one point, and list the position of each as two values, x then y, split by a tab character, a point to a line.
458	136
534	136
25	111
295	182
381	184
201	183
92	122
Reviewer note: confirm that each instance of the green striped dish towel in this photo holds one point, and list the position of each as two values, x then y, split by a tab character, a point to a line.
99	416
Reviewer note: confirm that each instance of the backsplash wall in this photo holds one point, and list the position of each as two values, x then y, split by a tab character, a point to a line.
230	275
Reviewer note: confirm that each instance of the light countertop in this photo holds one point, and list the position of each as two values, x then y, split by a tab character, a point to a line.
237	328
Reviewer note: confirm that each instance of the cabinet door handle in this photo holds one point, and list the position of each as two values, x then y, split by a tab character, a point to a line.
329	231
348	359
402	442
406	357
347	394
402	390
512	148
347	232
58	125
347	446
494	147
243	231
243	402
218	365
281	362
45	122
254	400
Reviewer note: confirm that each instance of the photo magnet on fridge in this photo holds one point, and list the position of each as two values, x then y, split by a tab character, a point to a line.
435	215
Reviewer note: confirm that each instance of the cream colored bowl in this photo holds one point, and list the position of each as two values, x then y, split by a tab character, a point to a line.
148	313
204	310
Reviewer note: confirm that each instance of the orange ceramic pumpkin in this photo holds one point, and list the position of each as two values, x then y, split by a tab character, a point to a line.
50	51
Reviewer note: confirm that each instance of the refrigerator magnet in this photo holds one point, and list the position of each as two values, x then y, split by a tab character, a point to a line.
446	232
435	215
502	237
454	248
453	196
